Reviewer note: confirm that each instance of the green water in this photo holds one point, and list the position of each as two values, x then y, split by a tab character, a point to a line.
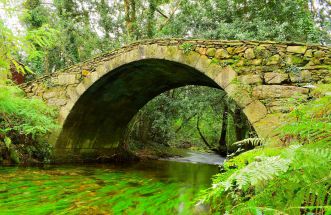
153	187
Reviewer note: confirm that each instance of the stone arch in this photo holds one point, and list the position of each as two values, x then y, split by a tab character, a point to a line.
164	63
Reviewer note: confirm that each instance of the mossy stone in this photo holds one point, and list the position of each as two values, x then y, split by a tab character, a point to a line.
273	60
297	49
211	52
319	54
249	53
221	54
293	59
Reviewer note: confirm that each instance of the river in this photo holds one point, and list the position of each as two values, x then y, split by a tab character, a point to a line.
146	187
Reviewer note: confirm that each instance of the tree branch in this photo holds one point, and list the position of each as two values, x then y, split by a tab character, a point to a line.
201	135
185	122
161	13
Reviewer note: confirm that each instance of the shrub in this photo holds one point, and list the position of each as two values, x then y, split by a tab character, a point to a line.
23	122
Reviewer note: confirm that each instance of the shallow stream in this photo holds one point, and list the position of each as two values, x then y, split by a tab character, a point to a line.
149	187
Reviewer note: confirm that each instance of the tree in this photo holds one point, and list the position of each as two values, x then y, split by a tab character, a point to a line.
191	114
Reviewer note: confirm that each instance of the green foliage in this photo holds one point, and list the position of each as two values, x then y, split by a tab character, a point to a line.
292	69
256	173
23	52
293	179
187	47
23	121
60	33
253	141
239	19
189	117
23	116
152	187
310	122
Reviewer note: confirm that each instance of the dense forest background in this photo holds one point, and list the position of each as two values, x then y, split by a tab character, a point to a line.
55	34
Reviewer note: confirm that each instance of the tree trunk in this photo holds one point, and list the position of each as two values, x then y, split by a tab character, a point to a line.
222	141
130	17
150	18
203	138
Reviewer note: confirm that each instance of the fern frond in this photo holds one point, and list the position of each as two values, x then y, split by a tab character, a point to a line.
257	173
250	141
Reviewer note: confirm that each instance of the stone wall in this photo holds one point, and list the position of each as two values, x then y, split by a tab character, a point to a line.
257	63
259	76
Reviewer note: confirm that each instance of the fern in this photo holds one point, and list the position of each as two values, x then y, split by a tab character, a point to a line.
257	173
296	179
250	141
187	47
21	116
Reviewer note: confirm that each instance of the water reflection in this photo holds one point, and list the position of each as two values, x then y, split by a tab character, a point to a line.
151	187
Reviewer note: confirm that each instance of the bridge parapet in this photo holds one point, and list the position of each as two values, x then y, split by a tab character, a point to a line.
265	63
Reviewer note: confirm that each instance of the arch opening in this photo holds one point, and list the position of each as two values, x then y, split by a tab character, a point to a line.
98	120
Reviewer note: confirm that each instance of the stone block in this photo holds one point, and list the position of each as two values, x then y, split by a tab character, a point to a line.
230	50
226	76
250	79
302	76
211	52
256	62
67	79
240	63
293	59
273	60
190	58
172	53
240	95
309	53
278	91
72	94
80	89
249	53
50	94
278	105
267	127
201	50
255	111
297	49
319	54
102	69
202	63
275	78
57	102
239	49
222	54
212	70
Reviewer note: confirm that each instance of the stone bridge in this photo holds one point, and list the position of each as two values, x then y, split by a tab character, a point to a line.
97	98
